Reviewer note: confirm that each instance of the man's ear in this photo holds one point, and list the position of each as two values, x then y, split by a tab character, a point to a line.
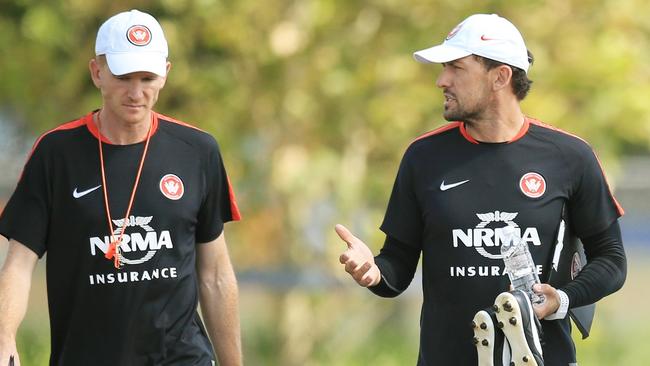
95	68
502	77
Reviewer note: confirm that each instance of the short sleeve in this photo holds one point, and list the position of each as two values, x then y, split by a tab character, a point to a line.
592	206
219	205
403	219
26	216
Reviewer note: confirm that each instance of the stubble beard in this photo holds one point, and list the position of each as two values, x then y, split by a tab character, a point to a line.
461	115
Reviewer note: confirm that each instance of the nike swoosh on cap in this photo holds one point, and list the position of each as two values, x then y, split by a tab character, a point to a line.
76	194
444	187
484	38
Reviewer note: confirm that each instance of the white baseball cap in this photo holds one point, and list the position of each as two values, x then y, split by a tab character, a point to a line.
486	35
133	41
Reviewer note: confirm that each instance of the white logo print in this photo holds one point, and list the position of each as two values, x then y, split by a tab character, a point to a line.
134	243
76	194
483	237
140	35
533	184
171	187
444	187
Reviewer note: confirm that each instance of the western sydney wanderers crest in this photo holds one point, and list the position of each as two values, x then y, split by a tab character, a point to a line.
532	185
172	187
139	35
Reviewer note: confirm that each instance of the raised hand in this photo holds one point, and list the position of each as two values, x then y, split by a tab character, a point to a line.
358	259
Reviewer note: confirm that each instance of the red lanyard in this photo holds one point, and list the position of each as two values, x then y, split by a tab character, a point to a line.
113	251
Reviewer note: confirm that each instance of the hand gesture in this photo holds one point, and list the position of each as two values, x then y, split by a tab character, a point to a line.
358	259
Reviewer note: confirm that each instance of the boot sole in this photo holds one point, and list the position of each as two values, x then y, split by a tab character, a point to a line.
511	321
484	338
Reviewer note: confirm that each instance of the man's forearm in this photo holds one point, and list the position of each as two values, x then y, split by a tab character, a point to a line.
14	294
605	271
15	283
220	309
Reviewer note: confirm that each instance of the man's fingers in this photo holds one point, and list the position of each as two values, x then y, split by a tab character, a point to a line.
360	272
346	235
344	258
368	276
352	266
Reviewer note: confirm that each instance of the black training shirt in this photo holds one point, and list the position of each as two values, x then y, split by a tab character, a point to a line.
144	313
451	199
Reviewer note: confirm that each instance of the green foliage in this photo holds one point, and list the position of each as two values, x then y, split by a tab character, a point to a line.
313	102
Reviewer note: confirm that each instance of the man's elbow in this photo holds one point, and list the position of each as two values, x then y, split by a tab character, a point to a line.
621	275
218	284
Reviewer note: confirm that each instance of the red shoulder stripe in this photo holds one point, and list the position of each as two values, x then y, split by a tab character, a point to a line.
441	129
66	126
619	208
234	210
545	125
173	120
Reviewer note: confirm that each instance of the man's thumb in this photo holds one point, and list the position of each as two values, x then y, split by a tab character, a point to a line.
345	234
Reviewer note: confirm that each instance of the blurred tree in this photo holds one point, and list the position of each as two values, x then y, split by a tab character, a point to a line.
314	101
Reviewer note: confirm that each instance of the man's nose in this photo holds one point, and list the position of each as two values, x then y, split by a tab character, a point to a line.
135	89
443	80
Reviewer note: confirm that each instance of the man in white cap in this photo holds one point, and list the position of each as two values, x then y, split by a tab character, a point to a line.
129	206
460	185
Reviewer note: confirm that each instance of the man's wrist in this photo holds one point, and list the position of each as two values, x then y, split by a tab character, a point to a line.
562	310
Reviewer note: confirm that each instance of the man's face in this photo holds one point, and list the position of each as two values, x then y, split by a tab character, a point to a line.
466	89
130	97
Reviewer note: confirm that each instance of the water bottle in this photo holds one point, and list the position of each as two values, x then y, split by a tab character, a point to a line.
519	264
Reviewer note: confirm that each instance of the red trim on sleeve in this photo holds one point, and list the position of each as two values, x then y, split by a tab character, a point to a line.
619	208
234	210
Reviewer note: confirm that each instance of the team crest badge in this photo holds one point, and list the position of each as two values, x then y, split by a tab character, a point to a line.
453	32
139	35
576	265
532	185
171	187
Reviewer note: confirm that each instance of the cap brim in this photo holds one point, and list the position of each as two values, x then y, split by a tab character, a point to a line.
440	54
126	63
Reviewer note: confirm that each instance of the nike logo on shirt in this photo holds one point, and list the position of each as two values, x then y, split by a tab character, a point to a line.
444	187
76	194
